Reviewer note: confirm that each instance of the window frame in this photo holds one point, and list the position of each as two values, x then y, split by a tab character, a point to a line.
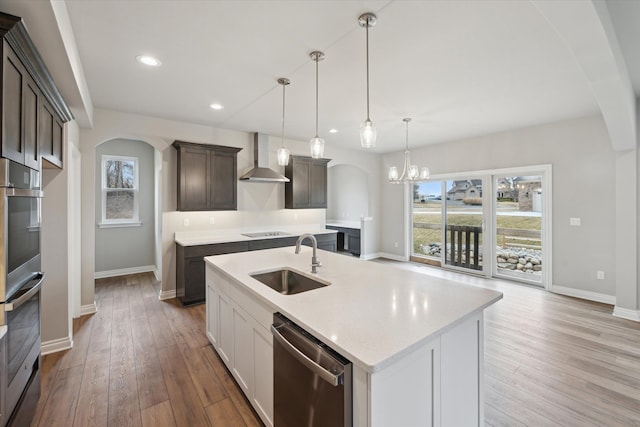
121	222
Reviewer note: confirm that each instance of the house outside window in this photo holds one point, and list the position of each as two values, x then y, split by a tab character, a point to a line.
120	191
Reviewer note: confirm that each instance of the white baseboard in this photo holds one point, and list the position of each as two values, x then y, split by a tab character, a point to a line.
55	346
88	309
156	274
625	313
588	295
165	295
370	256
125	271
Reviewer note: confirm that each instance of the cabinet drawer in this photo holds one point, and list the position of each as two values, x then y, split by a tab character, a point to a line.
280	242
215	249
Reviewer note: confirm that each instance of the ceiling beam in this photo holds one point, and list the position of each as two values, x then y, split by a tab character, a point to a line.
586	29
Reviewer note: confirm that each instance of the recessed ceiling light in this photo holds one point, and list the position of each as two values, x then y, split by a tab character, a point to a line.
148	60
333	130
216	106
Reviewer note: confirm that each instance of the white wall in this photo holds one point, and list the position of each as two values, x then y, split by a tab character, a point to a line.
57	330
584	180
348	193
140	240
259	204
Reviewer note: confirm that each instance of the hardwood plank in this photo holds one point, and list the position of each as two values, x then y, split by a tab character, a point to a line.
224	414
61	404
93	404
152	388
182	393
49	370
232	389
159	415
124	408
205	380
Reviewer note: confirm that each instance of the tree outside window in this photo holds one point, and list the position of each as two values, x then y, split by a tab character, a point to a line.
119	189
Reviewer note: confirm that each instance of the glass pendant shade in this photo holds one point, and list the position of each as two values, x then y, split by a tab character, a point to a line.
283	156
393	173
317	147
368	134
413	172
424	173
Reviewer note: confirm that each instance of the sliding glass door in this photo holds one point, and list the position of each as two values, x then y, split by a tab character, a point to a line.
463	221
447	218
426	215
518	227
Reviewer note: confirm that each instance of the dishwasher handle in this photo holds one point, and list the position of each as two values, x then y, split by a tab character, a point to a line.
334	379
14	304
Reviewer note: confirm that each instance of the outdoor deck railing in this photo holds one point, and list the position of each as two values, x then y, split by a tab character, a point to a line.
463	242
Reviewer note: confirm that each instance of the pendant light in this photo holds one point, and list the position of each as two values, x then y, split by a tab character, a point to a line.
317	143
410	173
283	153
368	131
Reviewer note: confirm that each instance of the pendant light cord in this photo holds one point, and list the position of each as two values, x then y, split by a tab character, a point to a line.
283	100
367	32
317	59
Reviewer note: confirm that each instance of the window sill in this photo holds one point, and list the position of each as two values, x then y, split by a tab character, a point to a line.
119	224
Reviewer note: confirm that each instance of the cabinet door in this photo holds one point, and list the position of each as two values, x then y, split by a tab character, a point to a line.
242	349
225	338
193	281
193	165
57	142
30	95
300	183
213	314
46	119
262	397
223	188
318	185
12	85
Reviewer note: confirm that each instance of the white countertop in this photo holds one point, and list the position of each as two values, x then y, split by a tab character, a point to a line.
346	224
371	313
208	237
3	331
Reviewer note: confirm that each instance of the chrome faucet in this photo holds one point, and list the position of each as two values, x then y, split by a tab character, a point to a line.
314	243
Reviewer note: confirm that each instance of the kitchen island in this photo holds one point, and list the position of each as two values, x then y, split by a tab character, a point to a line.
415	341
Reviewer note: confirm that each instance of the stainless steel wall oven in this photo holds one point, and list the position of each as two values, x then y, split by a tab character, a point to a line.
20	283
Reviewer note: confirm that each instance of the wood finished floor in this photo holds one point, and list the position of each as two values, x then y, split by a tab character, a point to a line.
550	360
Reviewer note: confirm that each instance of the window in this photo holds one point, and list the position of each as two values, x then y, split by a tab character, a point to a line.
119	191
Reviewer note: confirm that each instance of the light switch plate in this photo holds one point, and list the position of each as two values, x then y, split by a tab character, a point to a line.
576	222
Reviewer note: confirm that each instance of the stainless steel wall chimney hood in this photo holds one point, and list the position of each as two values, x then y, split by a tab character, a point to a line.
261	171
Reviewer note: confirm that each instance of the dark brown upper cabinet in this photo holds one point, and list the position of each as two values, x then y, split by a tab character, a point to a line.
207	177
307	186
51	135
26	87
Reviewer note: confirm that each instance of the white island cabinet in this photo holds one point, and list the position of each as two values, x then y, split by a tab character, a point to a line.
415	341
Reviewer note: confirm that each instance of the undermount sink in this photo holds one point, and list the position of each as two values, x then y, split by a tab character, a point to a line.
288	281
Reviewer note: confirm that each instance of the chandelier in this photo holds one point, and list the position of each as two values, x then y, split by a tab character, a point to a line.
410	173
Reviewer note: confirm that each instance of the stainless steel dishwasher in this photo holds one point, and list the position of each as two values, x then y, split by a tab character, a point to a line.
312	383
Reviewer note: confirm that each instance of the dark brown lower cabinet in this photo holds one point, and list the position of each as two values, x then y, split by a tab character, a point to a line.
190	287
190	268
352	237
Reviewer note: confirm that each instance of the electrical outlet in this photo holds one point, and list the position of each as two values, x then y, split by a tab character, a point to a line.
185	222
212	220
575	222
600	275
395	244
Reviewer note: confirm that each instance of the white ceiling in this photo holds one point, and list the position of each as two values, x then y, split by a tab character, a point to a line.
458	68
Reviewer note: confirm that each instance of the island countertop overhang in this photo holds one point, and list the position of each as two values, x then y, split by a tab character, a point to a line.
371	313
